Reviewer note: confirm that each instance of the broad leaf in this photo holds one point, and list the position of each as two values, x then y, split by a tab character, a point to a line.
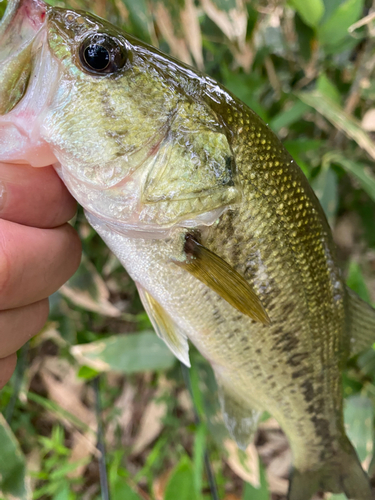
311	11
130	353
335	29
180	484
13	478
356	281
325	187
120	490
358	417
362	172
261	493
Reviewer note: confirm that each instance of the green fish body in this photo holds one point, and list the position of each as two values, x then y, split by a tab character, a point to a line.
209	214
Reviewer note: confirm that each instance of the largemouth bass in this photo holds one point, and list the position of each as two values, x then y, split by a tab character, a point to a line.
210	216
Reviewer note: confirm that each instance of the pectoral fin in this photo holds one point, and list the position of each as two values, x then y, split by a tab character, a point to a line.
240	420
165	327
218	275
362	323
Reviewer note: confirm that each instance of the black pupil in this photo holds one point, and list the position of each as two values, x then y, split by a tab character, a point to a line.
97	56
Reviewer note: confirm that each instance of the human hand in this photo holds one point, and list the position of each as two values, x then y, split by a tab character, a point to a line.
38	253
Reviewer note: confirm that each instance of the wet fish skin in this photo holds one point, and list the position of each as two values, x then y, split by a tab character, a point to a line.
158	153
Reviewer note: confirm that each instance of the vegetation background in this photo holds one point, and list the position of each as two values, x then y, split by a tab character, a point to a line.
306	67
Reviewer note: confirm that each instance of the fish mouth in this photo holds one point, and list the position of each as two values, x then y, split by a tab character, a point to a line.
22	20
25	64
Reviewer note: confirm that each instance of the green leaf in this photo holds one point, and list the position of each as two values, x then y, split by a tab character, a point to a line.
362	172
63	494
342	120
87	373
327	88
13	479
335	29
130	353
3	5
197	395
261	493
289	116
358	418
198	457
325	187
120	490
302	149
356	281
306	36
139	17
180	483
311	11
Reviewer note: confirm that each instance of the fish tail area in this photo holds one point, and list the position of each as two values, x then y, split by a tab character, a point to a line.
362	323
342	474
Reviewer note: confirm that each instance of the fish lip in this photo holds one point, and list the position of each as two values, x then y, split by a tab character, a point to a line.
22	20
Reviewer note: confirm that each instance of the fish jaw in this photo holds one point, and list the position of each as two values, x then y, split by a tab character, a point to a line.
28	76
21	21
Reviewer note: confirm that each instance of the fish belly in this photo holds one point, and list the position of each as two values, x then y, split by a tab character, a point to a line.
277	368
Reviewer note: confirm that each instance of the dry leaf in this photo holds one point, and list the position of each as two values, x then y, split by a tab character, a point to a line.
186	404
125	406
151	422
82	298
281	464
192	30
177	45
66	393
81	352
83	447
277	485
270	424
93	297
232	23
150	427
368	121
245	56
246	468
33	461
160	484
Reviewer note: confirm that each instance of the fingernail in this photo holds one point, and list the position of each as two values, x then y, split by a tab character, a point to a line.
2	195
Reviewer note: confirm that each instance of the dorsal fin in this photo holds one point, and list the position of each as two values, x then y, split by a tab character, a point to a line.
165	327
362	323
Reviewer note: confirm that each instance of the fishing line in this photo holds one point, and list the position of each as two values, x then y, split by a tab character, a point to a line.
207	463
103	475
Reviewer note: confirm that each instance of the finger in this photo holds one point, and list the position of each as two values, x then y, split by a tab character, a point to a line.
7	367
34	196
35	262
17	326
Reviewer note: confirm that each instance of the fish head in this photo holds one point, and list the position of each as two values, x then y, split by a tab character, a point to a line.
127	128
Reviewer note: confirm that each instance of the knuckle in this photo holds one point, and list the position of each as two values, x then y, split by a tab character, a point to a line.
74	248
41	316
66	208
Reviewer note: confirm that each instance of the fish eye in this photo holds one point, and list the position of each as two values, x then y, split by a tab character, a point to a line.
101	54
